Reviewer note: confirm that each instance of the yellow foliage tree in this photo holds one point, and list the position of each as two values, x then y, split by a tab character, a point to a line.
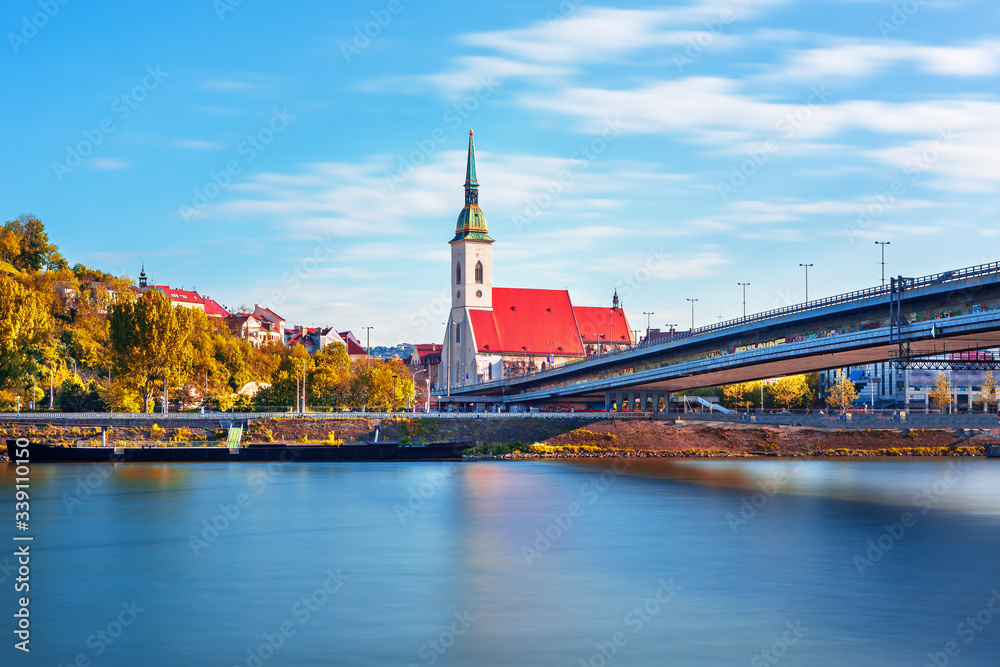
940	393
790	389
24	327
842	393
989	391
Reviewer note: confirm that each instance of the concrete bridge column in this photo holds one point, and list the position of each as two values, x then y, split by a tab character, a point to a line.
609	400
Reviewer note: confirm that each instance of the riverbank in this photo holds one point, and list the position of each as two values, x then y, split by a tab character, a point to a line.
557	438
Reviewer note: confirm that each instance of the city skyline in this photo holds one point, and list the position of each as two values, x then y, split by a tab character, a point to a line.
321	175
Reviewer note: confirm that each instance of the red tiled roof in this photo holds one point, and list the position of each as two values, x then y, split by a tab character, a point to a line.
354	348
594	320
526	321
425	349
268	311
183	296
214	309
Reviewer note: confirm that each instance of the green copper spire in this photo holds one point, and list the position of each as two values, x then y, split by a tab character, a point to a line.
471	223
470	167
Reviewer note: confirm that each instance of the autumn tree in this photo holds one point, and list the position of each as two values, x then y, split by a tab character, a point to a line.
33	250
740	394
790	389
940	393
24	326
989	391
330	380
380	385
842	394
149	342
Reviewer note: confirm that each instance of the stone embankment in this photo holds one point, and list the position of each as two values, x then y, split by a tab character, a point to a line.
563	437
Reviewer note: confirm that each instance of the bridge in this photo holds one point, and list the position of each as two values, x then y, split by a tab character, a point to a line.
907	323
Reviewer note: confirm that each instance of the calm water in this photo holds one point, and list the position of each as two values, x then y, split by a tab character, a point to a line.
697	563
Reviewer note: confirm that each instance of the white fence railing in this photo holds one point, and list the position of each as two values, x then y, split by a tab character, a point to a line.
240	416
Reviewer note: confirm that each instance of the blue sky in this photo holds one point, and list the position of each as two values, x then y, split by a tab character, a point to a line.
278	154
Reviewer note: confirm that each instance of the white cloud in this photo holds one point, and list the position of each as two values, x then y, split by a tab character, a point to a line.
855	59
108	163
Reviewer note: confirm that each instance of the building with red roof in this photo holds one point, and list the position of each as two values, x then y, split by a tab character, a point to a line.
497	332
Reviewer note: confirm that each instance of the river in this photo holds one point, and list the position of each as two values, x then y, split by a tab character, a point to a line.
626	562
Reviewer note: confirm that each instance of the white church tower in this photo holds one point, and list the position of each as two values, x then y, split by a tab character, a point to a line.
471	282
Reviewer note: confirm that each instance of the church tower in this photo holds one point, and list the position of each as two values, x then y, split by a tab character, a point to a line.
471	280
471	248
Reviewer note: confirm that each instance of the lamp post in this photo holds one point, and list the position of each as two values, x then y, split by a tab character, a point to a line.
883	244
806	267
447	340
368	340
692	312
647	322
744	286
672	328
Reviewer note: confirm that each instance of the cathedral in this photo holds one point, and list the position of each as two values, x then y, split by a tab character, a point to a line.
496	333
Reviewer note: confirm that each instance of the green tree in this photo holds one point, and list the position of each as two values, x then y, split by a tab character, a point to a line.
842	393
149	342
24	326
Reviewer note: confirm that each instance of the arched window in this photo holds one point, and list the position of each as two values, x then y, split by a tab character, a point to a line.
458	273
479	273
458	334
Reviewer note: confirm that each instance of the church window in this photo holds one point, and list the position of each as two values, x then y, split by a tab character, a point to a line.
479	273
458	273
458	335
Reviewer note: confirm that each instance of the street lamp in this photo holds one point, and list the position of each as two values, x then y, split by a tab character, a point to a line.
672	328
883	244
806	267
744	286
368	340
647	322
692	312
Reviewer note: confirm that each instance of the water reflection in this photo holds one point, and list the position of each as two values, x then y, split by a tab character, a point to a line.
518	563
